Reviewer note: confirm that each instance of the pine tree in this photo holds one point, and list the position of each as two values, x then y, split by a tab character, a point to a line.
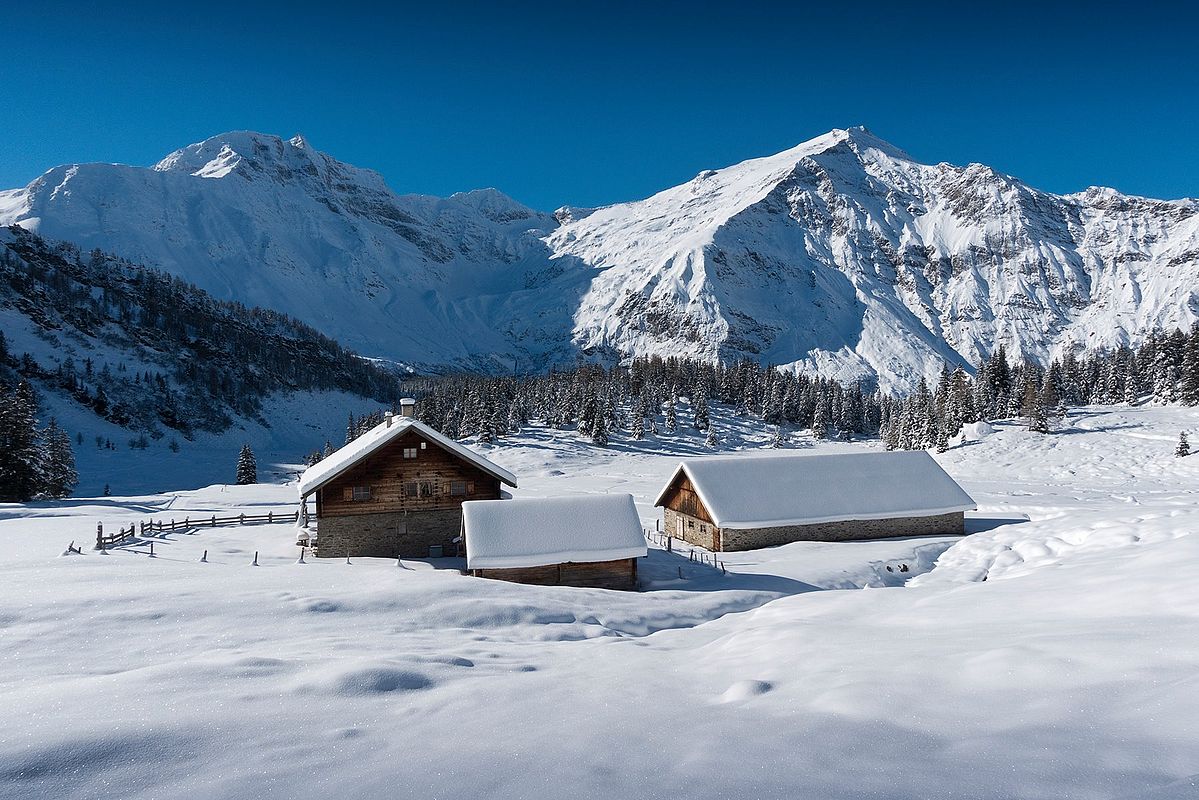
599	430
638	430
1189	391
1184	446
1032	405
58	475
777	440
700	412
247	468
672	422
711	440
21	455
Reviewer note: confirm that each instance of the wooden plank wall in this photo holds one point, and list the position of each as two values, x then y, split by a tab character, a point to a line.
619	574
683	498
386	472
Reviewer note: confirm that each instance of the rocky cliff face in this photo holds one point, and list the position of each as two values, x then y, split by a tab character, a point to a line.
842	255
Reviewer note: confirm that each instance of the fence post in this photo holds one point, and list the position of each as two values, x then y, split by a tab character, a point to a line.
255	559
214	520
204	558
99	535
270	516
241	519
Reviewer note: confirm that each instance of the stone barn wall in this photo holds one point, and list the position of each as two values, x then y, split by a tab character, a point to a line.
849	530
691	529
389	534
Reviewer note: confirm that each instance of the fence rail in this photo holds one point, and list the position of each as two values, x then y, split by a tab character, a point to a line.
158	526
666	542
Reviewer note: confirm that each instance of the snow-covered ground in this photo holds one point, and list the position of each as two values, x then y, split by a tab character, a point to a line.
807	671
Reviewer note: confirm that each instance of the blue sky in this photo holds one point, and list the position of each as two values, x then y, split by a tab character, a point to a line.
590	103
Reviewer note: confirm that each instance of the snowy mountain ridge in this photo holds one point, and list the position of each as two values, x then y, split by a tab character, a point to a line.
842	255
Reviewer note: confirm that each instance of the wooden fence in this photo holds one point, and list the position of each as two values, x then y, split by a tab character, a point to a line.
666	542
153	527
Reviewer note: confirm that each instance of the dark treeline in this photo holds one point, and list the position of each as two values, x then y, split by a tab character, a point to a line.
648	397
198	361
656	397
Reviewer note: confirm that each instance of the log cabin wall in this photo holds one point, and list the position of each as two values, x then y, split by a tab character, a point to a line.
423	482
618	574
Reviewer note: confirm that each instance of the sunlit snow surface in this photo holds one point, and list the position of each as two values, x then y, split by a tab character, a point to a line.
1072	671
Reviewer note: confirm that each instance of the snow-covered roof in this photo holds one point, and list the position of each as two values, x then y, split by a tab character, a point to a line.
774	490
330	467
534	532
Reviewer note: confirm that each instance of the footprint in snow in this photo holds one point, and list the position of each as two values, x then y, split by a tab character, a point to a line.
745	690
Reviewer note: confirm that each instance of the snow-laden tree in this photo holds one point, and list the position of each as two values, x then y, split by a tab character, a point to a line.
672	421
57	473
247	467
1184	446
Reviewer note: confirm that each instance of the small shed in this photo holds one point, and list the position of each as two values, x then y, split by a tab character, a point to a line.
585	540
747	502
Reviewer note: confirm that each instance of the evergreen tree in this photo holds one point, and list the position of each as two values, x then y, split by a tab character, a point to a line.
701	420
777	440
1032	406
638	430
1184	446
1189	390
21	455
599	430
672	422
58	475
247	468
820	420
711	440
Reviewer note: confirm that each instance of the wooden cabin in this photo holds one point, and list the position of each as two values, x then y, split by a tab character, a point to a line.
397	491
588	540
747	502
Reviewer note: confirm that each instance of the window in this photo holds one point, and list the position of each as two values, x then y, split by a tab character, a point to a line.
457	488
360	493
690	523
410	489
425	489
410	452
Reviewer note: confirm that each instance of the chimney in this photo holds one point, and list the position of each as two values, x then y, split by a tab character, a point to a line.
407	407
387	415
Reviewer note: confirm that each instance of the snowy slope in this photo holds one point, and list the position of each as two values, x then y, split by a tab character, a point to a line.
1069	674
841	255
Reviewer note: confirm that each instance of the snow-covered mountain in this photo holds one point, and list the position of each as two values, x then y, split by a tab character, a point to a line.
842	255
276	224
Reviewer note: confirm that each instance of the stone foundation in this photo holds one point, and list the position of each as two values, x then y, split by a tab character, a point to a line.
388	535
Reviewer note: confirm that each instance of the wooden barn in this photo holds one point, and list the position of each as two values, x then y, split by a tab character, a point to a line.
588	540
747	502
397	490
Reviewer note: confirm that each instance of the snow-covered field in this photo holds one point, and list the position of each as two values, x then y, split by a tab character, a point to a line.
808	671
